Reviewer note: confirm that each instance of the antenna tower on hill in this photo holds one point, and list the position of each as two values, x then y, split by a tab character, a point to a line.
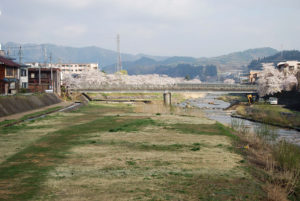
119	62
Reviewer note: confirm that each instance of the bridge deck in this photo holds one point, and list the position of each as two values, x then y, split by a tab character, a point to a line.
175	88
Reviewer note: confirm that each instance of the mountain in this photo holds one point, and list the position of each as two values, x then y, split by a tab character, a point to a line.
205	68
237	60
279	57
173	67
136	64
64	54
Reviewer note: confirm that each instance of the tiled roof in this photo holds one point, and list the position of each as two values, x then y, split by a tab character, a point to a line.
8	62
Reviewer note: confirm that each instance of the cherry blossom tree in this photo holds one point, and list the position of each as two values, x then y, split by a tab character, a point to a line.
272	81
229	81
97	80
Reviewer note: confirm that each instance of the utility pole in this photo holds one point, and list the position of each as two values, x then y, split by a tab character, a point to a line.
8	51
20	53
51	71
119	62
45	62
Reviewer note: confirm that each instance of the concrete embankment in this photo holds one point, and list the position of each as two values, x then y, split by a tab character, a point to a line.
15	104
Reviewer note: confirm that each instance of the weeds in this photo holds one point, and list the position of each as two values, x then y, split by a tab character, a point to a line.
265	132
278	162
239	125
287	155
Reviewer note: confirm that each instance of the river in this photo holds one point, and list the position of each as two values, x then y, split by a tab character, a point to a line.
214	109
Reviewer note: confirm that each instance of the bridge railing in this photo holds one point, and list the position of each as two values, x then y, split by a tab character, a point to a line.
174	87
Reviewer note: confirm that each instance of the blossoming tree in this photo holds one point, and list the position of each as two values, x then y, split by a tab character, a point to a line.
96	80
272	81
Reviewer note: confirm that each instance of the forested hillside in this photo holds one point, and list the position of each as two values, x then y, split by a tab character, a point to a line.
281	56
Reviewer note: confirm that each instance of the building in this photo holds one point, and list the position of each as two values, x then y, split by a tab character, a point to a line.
9	75
76	68
23	77
253	76
44	80
67	68
289	67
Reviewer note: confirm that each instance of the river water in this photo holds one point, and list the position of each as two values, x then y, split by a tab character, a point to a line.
214	109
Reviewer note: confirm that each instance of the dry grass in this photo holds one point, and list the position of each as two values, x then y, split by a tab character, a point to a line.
82	160
118	167
120	173
280	182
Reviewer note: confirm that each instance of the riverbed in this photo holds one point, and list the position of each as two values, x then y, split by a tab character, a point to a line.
215	109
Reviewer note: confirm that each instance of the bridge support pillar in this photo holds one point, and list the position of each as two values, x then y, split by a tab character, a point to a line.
167	98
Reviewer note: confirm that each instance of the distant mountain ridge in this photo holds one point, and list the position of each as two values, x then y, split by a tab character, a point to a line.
238	60
135	64
65	54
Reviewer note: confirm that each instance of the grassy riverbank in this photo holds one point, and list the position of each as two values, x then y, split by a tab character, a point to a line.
270	114
30	115
233	98
275	163
117	152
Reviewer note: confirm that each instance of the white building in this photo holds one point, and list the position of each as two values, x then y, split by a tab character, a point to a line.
289	67
67	68
23	77
76	68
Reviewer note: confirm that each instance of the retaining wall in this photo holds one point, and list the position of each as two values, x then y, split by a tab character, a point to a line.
15	104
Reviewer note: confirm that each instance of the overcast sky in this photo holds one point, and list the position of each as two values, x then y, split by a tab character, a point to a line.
158	27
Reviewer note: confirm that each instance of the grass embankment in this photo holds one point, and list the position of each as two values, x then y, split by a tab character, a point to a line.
29	116
270	114
108	152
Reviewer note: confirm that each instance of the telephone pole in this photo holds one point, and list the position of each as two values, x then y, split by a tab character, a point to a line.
20	53
51	70
45	62
8	51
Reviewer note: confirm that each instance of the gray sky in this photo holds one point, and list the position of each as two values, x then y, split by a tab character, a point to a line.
158	27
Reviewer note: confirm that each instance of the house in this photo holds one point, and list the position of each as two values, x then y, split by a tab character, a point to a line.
289	67
23	76
253	76
9	75
44	80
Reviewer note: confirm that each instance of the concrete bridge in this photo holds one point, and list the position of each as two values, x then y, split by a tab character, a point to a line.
181	87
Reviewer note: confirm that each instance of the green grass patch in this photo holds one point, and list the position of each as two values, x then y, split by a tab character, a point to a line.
133	125
271	114
142	146
204	129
